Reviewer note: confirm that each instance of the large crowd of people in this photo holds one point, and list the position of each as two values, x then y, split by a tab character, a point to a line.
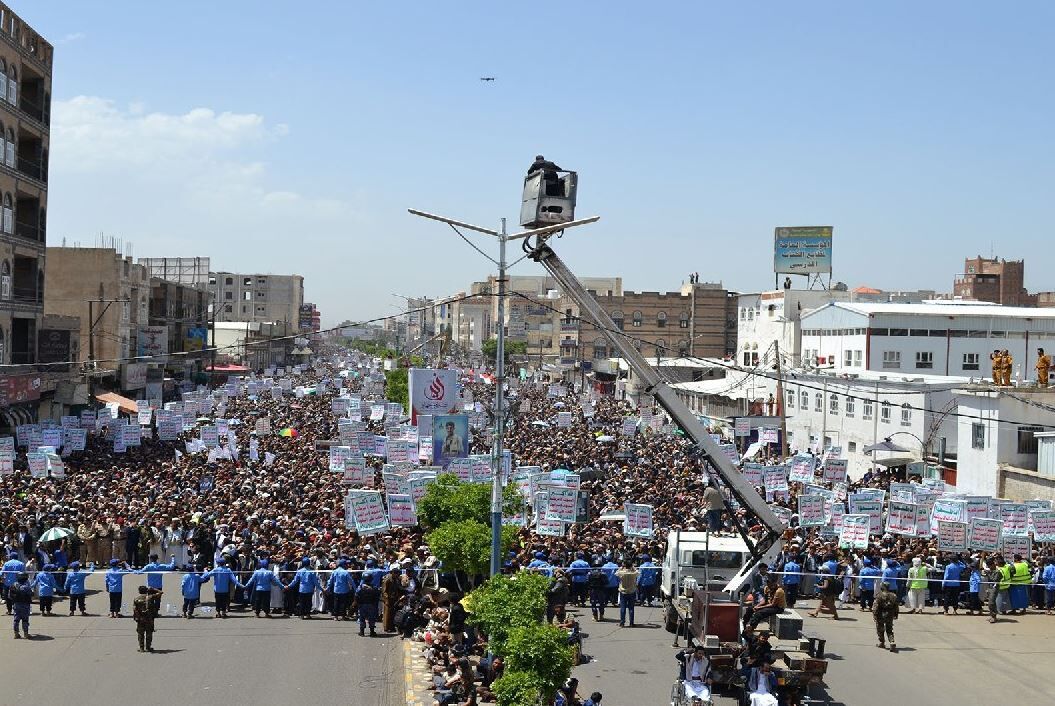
267	529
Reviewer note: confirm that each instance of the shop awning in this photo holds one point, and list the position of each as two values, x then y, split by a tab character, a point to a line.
227	369
123	403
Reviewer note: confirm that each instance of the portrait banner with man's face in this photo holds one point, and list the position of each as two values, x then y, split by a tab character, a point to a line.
450	438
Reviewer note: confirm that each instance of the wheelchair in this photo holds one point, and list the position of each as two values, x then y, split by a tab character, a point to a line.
679	696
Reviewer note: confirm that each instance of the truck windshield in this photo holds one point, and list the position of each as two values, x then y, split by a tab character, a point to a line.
717	560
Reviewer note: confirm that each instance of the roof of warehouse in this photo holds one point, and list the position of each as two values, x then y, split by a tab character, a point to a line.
942	309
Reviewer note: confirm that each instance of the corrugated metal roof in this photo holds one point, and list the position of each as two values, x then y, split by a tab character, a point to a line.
980	309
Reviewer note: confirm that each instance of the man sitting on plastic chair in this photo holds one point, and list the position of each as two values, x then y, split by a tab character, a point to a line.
762	685
695	675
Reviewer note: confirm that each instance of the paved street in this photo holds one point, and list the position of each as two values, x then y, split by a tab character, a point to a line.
944	658
240	660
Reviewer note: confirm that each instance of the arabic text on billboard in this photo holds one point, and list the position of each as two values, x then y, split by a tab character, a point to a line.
803	250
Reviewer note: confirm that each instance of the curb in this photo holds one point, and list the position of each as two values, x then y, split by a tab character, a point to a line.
416	676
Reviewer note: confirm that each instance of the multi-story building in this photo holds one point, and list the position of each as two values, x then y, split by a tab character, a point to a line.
108	292
257	297
183	309
936	338
774	317
25	125
188	271
993	280
698	321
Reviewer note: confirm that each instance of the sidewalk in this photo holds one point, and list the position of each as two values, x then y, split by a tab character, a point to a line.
417	675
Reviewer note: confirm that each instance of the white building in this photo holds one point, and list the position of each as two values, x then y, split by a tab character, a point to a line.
942	338
850	411
765	317
998	446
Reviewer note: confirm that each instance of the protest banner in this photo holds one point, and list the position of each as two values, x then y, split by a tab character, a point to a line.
976	506
1043	525
770	435
481	470
742	426
355	471
835	470
800	469
853	534
638	522
783	514
984	535
418	486
561	504
1010	545
132	435
450	438
1015	517
401	511
902	493
946	510
549	528
338	455
399	451
564	419
901	518
774	478
367	511
952	536
628	426
872	508
753	473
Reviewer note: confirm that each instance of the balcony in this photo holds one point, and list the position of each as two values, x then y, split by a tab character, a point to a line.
29	231
27	295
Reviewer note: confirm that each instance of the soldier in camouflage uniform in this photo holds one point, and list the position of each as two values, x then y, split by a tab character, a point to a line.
885	613
145	608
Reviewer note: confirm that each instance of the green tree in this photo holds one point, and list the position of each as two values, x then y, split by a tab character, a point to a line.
518	689
512	348
465	545
396	387
541	650
451	500
503	603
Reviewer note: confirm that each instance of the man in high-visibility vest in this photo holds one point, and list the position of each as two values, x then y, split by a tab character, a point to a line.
1021	579
1000	573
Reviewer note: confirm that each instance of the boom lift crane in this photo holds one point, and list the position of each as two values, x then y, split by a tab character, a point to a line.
543	225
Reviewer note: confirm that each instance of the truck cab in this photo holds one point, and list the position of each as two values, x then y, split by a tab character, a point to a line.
712	562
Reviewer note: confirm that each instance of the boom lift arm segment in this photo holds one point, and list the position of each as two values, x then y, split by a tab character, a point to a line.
738	486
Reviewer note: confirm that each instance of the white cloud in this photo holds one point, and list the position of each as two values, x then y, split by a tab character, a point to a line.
72	37
91	133
191	183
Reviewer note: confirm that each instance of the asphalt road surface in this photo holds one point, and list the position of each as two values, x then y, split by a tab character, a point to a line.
241	660
942	660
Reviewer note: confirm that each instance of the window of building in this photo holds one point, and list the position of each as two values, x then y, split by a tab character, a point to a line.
229	281
212	281
637	319
228	296
12	86
970	361
245	309
227	308
977	436
866	409
661	319
9	215
747	358
848	358
261	281
661	347
906	415
833	404
1027	440
600	349
804	400
818	402
247	296
851	446
683	319
683	347
247	281
743	314
5	280
791	399
884	413
3	347
924	359
891	359
750	314
850	406
259	295
617	319
859	359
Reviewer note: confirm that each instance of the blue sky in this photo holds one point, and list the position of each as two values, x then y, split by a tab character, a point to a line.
291	138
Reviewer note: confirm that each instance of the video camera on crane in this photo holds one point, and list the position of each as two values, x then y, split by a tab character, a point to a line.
549	195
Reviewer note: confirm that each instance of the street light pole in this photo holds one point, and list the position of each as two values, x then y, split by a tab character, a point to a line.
500	369
503	237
